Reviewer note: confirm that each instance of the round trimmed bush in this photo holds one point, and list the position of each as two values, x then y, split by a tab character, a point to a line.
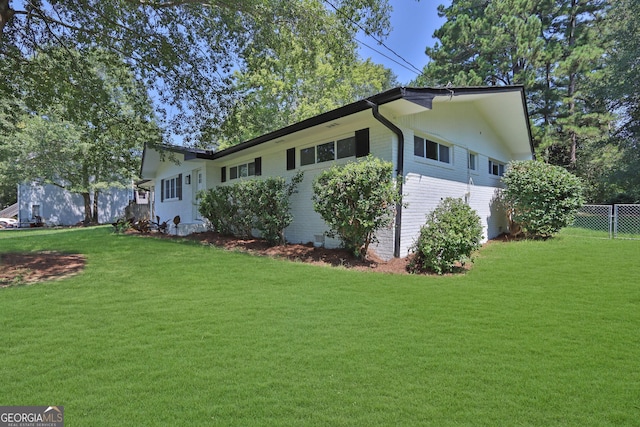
452	232
540	197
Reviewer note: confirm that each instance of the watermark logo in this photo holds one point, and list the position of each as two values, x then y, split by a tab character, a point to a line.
31	416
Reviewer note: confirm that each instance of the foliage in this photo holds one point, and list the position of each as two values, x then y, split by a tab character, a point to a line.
276	91
618	177
452	232
122	225
92	120
541	198
356	200
554	48
184	51
250	204
272	206
215	204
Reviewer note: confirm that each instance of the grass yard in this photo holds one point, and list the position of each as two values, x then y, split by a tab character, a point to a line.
161	332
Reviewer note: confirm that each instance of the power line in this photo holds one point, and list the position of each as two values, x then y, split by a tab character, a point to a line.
388	57
380	42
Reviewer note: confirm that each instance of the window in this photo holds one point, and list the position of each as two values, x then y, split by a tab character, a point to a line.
246	169
472	160
35	211
171	188
329	151
308	156
346	147
326	152
496	168
431	150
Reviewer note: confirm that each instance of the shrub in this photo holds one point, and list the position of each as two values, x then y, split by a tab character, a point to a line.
217	207
541	198
250	204
356	200
452	232
272	207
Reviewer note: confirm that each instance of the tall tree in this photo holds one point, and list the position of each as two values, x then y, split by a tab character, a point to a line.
184	50
617	85
84	125
551	47
298	80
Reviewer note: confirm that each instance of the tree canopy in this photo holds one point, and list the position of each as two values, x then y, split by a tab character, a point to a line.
82	126
184	51
216	71
578	62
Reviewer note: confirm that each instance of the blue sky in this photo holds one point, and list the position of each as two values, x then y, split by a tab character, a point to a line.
413	23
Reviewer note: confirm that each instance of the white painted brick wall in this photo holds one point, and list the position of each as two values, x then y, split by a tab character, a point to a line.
423	194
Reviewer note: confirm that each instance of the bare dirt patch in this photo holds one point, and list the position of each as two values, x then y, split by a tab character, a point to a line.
31	267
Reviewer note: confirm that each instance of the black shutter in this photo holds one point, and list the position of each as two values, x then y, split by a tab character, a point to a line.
162	190
258	166
362	142
223	174
179	187
291	159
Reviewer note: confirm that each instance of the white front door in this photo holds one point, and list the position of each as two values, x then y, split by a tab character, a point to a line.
197	185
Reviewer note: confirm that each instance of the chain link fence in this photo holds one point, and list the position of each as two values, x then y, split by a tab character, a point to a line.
610	221
626	221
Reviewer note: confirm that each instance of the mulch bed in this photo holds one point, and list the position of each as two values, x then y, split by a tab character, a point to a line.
306	253
30	267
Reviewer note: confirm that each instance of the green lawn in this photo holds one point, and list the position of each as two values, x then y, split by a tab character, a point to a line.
159	332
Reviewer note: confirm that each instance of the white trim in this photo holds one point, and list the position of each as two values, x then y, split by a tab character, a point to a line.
168	191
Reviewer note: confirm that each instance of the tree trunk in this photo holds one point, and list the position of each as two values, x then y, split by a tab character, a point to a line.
6	13
94	217
571	90
87	208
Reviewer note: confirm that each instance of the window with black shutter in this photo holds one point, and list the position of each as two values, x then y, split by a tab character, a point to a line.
257	166
362	142
291	159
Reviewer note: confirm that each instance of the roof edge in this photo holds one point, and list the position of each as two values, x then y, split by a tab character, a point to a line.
410	93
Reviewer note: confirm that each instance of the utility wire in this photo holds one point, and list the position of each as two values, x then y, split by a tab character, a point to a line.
388	57
380	42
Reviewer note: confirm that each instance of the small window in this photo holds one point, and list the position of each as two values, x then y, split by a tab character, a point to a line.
418	146
172	188
308	156
443	153
243	170
35	211
326	152
346	147
431	150
340	149
472	161
496	168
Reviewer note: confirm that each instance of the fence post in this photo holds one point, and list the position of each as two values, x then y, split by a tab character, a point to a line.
615	221
611	220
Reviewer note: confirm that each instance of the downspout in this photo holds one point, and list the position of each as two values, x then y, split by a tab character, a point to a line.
399	172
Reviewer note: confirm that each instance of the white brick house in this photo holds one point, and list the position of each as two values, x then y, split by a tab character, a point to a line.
444	142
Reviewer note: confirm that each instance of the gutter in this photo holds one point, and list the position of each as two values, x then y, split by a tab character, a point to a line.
399	172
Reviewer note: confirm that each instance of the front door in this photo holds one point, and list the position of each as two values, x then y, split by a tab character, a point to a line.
198	185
